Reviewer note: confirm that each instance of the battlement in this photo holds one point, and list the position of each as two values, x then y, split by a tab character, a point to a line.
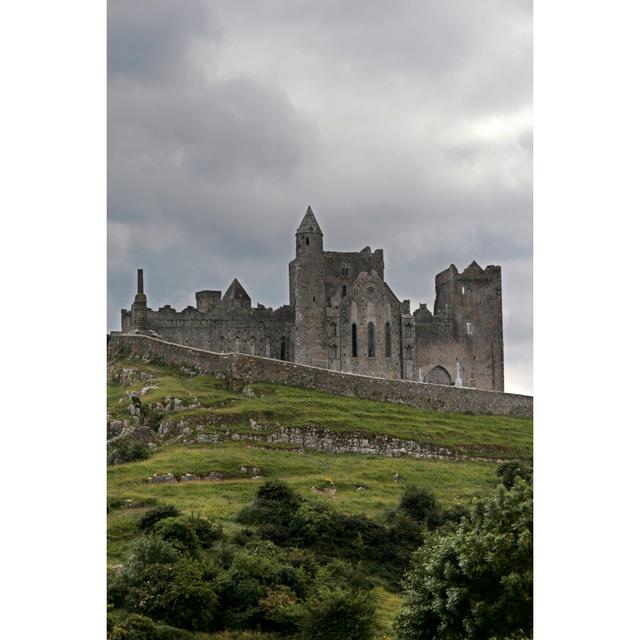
207	300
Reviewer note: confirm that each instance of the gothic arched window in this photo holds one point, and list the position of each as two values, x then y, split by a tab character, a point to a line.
354	340
371	340
387	340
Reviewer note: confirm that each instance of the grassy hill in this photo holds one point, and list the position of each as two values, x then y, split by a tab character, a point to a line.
175	401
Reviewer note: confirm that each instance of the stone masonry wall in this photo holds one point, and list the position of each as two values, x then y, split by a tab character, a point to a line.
251	369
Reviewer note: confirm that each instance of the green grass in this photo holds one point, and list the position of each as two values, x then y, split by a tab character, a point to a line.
482	436
452	482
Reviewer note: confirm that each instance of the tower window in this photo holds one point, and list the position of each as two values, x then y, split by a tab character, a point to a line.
469	329
371	340
354	341
463	290
387	340
344	290
345	271
306	240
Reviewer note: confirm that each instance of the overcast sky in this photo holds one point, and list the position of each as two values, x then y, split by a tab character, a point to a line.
406	125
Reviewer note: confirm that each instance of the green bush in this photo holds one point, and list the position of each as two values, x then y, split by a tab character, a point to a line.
180	532
274	506
127	450
148	550
206	532
255	569
339	614
344	574
137	627
421	505
149	519
149	417
114	503
282	610
183	594
508	472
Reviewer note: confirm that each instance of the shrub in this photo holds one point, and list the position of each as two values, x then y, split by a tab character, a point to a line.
256	568
421	505
275	504
205	530
114	503
137	627
344	574
281	609
147	550
180	532
454	514
127	450
405	531
339	614
149	417
508	472
149	519
183	594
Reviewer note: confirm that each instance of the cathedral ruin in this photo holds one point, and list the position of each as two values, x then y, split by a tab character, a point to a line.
342	315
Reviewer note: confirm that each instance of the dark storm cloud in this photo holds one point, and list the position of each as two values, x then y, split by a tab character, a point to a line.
406	126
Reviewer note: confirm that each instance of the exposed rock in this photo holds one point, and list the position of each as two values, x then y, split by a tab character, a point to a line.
253	470
309	438
146	390
327	491
126	376
118	569
189	477
115	427
163	477
215	475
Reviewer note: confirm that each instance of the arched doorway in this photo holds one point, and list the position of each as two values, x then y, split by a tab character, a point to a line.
438	375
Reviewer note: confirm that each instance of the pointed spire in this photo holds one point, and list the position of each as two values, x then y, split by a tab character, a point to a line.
236	292
309	223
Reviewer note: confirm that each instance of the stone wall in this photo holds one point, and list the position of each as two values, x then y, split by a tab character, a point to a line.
249	369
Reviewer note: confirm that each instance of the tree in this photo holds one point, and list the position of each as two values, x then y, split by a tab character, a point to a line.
475	582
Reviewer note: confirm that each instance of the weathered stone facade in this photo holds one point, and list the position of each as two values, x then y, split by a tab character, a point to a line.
343	316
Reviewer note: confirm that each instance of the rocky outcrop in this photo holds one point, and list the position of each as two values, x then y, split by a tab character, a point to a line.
314	438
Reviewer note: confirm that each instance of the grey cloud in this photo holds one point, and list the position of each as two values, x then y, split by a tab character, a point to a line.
148	39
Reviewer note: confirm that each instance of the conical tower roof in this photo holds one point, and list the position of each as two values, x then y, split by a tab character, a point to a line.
309	223
236	292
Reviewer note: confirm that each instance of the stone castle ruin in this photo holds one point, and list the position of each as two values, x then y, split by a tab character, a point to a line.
343	316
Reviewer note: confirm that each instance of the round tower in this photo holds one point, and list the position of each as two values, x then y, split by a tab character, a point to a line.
310	294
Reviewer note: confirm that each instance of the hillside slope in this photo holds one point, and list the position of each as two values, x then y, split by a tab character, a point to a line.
205	446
